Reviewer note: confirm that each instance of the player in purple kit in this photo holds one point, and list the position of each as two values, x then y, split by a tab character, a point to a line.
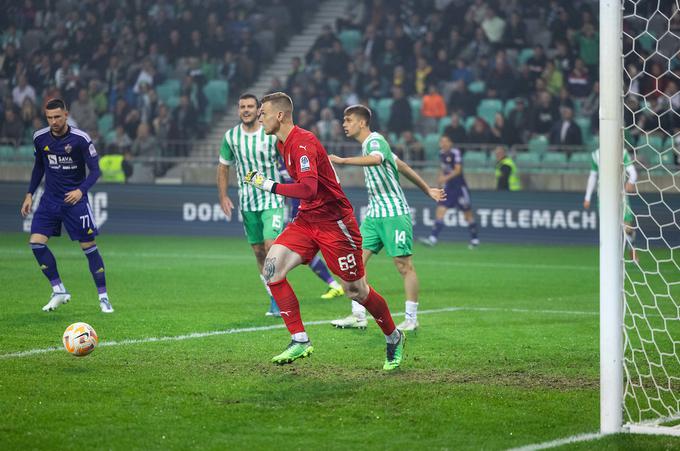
451	178
61	154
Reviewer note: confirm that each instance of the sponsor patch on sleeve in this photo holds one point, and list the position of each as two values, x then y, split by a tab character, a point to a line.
304	163
374	145
93	152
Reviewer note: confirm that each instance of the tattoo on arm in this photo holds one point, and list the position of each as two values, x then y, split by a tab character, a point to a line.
269	268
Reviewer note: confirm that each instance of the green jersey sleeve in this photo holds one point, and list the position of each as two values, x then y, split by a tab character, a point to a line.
627	161
593	160
381	146
226	154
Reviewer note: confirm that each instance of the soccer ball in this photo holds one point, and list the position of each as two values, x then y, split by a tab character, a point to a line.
80	339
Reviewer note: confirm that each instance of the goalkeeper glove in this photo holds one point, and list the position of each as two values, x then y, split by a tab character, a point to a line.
259	181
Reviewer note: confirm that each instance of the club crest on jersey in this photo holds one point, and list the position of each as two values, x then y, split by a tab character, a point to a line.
68	148
304	163
46	148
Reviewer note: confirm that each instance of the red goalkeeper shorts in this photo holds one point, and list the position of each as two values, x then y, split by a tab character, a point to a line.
339	243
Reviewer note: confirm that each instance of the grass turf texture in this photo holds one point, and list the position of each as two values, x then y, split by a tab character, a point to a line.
517	365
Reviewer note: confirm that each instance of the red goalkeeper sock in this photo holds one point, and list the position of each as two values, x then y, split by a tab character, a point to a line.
288	304
377	307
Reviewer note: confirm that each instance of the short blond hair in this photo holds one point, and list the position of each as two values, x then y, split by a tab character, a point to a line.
280	101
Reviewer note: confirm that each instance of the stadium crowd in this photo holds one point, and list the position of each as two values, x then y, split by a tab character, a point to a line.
135	74
481	71
140	73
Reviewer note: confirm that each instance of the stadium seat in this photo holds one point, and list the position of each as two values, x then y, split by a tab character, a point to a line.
476	161
350	39
25	151
431	145
488	108
524	56
538	144
383	108
217	92
509	106
416	104
584	124
651	149
168	89
105	124
554	162
528	162
580	161
477	87
7	151
443	123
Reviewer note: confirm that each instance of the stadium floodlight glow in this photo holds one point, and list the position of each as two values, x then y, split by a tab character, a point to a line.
639	297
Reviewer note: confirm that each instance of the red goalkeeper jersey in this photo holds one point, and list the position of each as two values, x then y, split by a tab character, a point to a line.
304	156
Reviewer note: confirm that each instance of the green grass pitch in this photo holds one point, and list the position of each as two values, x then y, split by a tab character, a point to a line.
507	356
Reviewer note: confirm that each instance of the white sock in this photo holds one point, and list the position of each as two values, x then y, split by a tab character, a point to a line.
433	239
358	310
266	287
300	337
393	338
103	295
335	285
411	310
58	288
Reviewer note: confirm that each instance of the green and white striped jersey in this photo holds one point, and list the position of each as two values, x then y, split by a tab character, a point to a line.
385	197
595	159
252	151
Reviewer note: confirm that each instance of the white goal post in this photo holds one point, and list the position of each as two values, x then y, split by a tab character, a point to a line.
640	296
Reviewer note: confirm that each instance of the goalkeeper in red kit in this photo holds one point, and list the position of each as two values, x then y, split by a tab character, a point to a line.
325	222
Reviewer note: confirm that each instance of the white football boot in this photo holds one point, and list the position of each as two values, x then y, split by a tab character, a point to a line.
105	305
350	322
56	300
408	325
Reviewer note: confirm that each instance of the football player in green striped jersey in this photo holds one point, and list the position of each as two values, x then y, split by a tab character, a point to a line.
388	221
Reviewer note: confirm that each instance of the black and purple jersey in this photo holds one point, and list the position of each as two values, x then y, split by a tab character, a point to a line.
448	161
62	160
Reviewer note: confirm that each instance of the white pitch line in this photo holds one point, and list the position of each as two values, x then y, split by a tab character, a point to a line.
31	352
559	442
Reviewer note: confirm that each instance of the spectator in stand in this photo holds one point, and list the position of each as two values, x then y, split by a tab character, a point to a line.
578	81
28	113
401	79
462	100
479	133
119	142
422	78
335	62
455	130
98	97
587	42
553	78
22	91
501	78
296	74
401	118
501	133
12	129
441	68
146	76
432	110
537	62
409	148
83	112
591	105
145	144
566	132
328	126
515	36
544	115
493	26
323	43
477	49
563	56
462	72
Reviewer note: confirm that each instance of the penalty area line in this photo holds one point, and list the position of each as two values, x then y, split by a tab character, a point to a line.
213	333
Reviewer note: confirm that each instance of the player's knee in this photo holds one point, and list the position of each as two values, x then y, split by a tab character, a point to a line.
404	266
357	290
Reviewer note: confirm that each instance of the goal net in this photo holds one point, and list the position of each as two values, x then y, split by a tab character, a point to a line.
650	216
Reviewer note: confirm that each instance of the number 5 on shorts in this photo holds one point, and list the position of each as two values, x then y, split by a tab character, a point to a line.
276	222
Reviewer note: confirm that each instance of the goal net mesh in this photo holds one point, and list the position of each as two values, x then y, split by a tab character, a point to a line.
651	120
